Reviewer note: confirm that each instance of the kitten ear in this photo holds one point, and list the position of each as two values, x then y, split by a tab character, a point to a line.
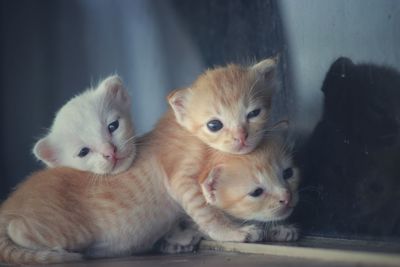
178	100
44	151
209	185
114	88
266	68
341	64
337	76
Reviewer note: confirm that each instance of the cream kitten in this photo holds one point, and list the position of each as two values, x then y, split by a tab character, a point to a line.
92	132
261	186
59	215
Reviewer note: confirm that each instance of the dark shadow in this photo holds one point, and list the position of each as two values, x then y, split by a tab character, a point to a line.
351	162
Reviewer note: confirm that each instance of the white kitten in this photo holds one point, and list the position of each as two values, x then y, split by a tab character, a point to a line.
92	132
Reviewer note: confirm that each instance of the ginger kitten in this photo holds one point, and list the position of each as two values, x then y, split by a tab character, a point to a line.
228	107
259	187
225	111
92	132
59	215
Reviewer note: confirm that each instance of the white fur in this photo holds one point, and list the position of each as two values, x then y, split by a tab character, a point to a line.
83	122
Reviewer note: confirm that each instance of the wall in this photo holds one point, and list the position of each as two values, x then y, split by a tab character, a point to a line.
319	31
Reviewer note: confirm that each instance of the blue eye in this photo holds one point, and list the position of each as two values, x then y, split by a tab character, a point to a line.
113	126
257	192
253	113
84	151
214	125
287	173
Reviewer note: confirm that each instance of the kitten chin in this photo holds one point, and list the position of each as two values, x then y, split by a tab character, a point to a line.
123	164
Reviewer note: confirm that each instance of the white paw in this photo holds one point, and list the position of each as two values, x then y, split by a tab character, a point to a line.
283	233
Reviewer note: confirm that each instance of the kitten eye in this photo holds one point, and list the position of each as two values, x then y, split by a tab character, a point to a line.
113	126
214	125
84	151
287	173
257	192
253	113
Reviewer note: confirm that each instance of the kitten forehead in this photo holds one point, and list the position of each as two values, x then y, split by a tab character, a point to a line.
86	117
270	157
226	85
227	92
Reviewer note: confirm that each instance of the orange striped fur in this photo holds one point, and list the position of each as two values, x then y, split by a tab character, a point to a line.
228	94
61	214
228	182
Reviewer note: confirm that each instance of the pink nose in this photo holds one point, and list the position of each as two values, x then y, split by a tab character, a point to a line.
241	136
109	152
285	198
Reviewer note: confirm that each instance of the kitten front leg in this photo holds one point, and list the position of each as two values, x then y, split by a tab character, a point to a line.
212	221
282	232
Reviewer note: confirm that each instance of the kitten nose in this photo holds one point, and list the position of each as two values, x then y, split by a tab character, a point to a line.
285	198
109	152
241	136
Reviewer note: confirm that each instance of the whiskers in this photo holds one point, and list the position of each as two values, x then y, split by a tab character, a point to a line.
130	140
275	128
275	211
143	143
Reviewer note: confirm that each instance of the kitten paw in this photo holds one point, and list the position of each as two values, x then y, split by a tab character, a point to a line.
248	233
254	233
283	233
180	241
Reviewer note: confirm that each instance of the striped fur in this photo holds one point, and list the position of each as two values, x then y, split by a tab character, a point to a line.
227	184
59	212
228	94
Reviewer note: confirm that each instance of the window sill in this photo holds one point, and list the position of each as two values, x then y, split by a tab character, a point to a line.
356	252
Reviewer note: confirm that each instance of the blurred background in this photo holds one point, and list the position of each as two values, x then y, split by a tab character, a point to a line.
52	49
